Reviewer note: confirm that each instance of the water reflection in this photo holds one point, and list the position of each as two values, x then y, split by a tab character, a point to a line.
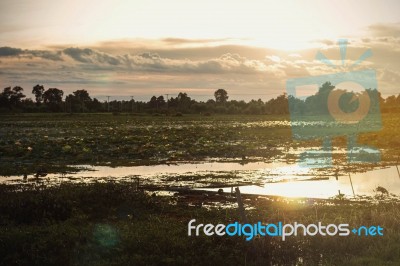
265	171
363	184
274	178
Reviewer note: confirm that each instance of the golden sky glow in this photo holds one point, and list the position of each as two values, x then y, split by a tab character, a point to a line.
287	32
273	24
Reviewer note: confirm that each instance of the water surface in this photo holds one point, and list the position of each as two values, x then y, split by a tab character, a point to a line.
271	178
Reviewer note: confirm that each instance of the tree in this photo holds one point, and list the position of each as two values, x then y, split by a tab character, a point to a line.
82	96
53	98
11	97
78	101
297	106
391	100
184	102
160	101
278	105
72	104
16	96
38	91
221	96
5	97
153	102
316	103
95	105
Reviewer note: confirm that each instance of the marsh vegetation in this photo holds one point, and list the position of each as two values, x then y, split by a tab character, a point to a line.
108	221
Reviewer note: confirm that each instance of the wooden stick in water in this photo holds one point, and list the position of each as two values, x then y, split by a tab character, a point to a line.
240	205
352	188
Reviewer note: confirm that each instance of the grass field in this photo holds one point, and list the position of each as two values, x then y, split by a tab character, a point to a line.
112	224
116	224
31	140
57	140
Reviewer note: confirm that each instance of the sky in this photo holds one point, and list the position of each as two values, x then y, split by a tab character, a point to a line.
126	48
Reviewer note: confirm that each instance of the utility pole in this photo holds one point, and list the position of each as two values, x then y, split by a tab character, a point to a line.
131	104
108	103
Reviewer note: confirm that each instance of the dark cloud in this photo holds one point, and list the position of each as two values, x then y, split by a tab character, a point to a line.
226	63
90	60
107	59
151	56
80	55
81	81
9	51
87	55
49	55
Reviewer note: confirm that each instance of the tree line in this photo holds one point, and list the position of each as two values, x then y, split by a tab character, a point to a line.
52	100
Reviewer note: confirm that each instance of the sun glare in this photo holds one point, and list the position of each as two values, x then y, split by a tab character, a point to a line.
259	24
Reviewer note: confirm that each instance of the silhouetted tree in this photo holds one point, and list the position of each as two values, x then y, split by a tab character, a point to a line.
16	96
297	106
160	101
38	91
391	100
80	100
184	102
11	98
278	105
153	102
53	98
221	96
94	105
82	96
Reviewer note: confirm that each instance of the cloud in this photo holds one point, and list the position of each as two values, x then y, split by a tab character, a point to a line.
193	41
80	55
385	30
325	42
273	58
194	51
87	55
145	72
226	63
137	68
13	52
389	76
49	55
9	51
